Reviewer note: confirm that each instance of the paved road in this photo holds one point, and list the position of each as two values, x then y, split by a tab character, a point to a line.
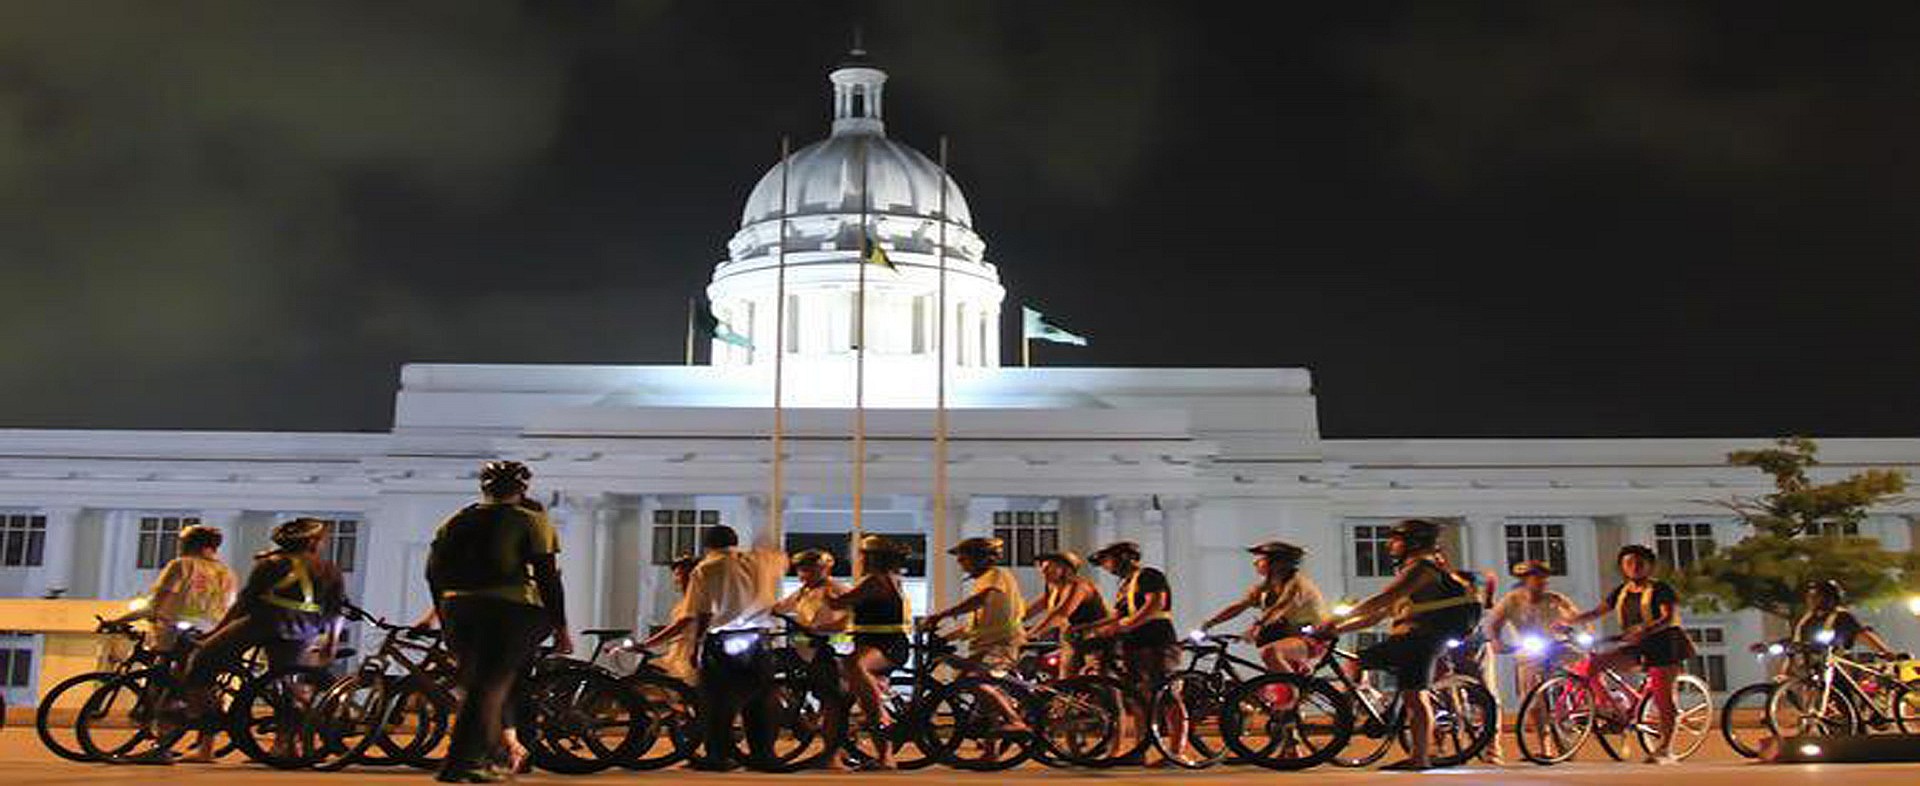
23	763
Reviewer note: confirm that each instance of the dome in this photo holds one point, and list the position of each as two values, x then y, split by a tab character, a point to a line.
826	181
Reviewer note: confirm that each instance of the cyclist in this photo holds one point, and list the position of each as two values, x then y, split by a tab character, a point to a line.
494	574
192	593
1648	613
808	604
1286	601
1070	599
728	597
1524	616
882	617
1141	627
1827	616
678	660
1429	605
994	635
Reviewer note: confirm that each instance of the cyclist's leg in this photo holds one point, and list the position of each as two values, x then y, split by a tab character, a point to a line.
1660	685
999	658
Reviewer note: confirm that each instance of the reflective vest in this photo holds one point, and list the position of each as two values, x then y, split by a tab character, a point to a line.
297	576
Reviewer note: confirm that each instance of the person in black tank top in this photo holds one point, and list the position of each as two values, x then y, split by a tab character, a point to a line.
1647	612
1428	605
1828	621
1070	599
881	622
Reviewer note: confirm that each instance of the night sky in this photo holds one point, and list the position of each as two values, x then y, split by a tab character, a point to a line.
1541	218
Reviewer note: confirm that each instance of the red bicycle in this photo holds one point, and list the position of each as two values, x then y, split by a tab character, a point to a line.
1579	702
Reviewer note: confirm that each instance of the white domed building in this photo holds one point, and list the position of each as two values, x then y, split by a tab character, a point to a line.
634	460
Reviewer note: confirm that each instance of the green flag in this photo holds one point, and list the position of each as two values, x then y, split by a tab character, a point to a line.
710	325
1034	326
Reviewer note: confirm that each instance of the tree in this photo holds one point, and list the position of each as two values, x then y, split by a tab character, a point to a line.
1803	531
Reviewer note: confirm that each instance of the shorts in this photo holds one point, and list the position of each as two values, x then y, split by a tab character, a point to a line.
1004	655
1669	647
1078	652
1149	664
892	646
1410	658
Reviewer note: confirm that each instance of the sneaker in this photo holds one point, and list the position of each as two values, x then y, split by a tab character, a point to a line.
488	774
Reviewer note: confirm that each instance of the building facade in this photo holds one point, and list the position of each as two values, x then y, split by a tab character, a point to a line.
634	461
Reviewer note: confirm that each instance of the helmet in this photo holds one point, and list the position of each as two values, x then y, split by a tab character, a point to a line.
684	562
1532	567
200	536
821	557
985	547
1279	550
296	533
1637	550
873	544
1124	548
1072	561
504	477
1417	533
1834	590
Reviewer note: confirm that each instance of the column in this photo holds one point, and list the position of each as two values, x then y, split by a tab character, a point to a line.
1126	519
575	519
1484	541
59	557
1178	521
943	576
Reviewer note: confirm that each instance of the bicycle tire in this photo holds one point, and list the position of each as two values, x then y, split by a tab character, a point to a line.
1077	721
43	714
279	693
1560	695
975	730
338	710
1839	718
1202	696
565	713
129	693
1276	702
1732	710
427	713
671	717
806	716
1906	709
1643	731
1460	702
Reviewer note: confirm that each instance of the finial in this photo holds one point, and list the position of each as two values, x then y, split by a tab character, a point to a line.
859	41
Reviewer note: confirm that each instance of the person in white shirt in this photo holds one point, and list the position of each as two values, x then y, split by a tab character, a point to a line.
728	599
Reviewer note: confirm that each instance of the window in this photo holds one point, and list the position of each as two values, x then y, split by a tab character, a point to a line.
1709	666
23	540
343	542
1680	543
676	533
16	668
1849	529
160	539
1027	533
837	543
1544	542
1370	557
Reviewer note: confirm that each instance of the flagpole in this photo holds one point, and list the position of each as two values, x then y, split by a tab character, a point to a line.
776	502
690	309
1026	347
941	577
860	374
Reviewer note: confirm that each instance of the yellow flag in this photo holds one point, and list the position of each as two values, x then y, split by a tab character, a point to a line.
878	256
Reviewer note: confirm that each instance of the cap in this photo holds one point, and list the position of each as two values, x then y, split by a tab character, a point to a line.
1278	549
1419	533
993	547
820	557
873	544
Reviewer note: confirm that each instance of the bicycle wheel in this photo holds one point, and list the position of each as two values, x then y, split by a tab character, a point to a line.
1905	705
806	717
1078	720
1286	721
1197	699
119	716
1743	719
1555	720
977	735
1465	719
267	718
1373	730
1692	719
671	730
57	733
576	721
347	720
1800	708
419	725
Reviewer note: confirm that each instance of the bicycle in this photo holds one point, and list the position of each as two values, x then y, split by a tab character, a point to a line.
1743	716
1579	702
1202	687
672	731
1836	694
139	657
145	708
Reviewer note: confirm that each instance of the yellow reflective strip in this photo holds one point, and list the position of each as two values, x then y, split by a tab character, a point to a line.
884	627
1443	603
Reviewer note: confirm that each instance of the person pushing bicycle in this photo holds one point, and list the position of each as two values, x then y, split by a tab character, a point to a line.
1648	613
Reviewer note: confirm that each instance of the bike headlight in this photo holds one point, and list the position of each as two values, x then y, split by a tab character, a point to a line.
137	604
1343	609
1533	645
1584	639
1913	605
1776	649
626	644
738	645
183	625
1824	637
1197	635
1453	644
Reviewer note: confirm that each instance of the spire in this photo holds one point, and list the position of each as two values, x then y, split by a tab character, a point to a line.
857	90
